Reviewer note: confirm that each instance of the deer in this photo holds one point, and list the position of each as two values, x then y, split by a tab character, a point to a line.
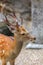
10	48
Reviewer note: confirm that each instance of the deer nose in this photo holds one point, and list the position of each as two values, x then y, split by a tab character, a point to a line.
34	38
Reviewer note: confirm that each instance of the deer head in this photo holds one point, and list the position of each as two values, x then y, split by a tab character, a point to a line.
23	34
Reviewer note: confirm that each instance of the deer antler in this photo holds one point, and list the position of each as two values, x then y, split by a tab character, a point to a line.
11	26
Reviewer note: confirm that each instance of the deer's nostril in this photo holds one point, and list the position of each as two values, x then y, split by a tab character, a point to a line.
34	38
23	34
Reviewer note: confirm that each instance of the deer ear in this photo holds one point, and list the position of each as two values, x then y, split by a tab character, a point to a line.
23	30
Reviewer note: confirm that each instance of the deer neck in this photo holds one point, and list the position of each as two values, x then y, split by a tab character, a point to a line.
18	46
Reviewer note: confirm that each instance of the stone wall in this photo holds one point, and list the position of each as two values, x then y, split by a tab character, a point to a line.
37	18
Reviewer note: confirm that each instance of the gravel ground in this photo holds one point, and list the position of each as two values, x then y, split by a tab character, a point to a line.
30	57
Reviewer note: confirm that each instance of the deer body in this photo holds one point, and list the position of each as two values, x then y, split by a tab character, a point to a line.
9	48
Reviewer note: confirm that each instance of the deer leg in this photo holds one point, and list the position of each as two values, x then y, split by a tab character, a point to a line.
3	62
12	62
